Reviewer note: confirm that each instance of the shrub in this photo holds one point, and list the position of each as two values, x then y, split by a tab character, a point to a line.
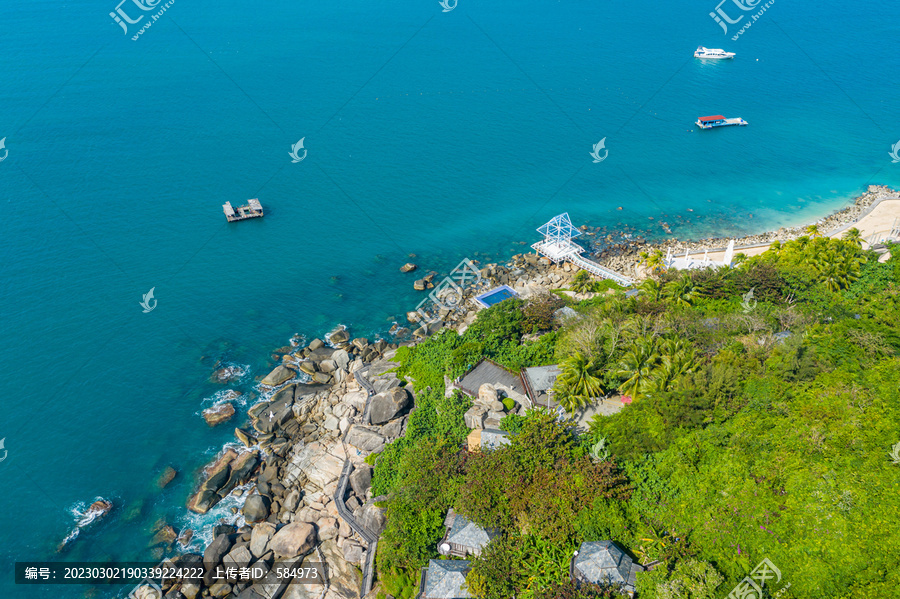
538	312
508	403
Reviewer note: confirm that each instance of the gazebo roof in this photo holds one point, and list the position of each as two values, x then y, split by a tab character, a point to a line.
468	534
445	579
559	228
602	562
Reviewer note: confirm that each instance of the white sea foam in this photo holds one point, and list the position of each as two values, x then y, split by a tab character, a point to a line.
202	524
83	516
225	395
265	392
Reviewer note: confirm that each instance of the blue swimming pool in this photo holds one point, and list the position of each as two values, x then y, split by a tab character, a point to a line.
495	296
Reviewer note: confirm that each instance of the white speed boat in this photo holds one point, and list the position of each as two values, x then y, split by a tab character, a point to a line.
717	53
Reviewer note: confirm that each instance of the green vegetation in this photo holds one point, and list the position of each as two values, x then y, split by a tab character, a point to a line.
765	424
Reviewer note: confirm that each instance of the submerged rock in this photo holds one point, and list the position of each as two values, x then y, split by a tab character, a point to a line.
218	414
166	477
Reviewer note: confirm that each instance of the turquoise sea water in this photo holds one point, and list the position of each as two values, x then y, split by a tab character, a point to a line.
444	135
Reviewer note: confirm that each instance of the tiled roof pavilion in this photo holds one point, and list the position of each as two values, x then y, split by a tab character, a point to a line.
603	562
445	579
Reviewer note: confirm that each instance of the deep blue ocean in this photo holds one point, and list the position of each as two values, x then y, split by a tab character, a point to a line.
441	134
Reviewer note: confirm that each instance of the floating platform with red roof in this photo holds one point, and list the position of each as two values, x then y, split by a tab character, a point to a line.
717	120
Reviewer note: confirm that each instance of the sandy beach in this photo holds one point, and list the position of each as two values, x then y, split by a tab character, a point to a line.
876	213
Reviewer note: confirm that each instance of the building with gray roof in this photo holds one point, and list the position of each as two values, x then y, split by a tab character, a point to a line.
488	371
444	579
463	537
539	380
604	563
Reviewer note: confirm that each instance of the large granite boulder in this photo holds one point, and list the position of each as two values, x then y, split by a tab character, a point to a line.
356	399
365	439
475	416
487	393
256	508
343	578
341	359
259	538
241	469
277	413
238	557
213	555
388	405
316	463
339	337
353	553
371	518
361	479
294	539
217	475
280	375
327	528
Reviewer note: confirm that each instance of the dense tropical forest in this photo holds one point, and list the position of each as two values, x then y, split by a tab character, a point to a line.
765	424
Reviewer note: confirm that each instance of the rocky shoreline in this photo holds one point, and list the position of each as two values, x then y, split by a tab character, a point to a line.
624	256
299	463
322	420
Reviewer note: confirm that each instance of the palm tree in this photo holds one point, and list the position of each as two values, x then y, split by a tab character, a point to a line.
637	367
837	270
813	231
678	358
852	235
582	282
776	247
653	261
652	289
578	382
681	291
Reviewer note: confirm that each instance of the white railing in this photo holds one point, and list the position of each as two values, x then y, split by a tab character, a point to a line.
596	269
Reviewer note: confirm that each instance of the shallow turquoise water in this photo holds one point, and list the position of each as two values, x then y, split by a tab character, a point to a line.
444	135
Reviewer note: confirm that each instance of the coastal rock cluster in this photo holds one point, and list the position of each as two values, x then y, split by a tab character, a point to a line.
300	466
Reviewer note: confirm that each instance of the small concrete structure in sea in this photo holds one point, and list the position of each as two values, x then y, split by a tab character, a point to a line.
253	209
